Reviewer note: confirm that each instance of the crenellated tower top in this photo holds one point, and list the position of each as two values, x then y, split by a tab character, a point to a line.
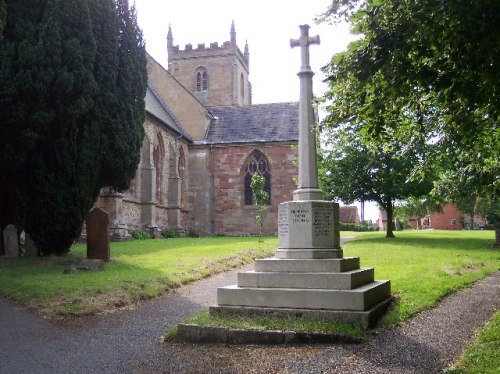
217	74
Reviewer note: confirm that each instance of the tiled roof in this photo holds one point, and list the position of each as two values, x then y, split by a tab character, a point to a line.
156	107
254	123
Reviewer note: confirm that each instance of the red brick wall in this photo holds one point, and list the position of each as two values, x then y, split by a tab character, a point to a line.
442	221
232	216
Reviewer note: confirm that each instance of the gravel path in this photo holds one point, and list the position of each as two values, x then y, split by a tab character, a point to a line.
130	341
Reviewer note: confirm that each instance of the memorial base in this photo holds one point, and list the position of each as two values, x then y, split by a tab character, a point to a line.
309	275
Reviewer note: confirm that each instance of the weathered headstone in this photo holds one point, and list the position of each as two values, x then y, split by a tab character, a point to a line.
30	249
98	234
309	275
11	241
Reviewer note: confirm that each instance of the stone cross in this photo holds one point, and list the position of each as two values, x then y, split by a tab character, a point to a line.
308	167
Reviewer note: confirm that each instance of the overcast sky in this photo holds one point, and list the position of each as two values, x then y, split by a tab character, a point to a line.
267	26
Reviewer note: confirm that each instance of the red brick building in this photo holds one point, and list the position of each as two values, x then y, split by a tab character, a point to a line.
349	214
449	219
203	141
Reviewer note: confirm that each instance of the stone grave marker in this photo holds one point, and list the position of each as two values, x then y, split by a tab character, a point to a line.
11	241
97	223
30	249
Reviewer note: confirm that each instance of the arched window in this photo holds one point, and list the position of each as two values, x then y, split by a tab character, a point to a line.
201	80
242	85
158	159
256	163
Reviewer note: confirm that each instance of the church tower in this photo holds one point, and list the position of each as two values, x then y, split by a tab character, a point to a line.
216	76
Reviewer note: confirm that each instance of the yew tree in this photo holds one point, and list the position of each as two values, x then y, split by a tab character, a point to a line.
72	86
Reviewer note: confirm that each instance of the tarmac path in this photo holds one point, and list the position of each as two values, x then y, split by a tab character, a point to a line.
129	341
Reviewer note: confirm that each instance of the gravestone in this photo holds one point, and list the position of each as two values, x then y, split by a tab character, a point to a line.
308	275
30	249
11	241
97	223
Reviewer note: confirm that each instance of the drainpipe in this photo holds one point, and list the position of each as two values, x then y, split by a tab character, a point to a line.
212	182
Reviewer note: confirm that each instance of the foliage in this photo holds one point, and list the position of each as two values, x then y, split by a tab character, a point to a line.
260	198
418	207
170	233
361	227
140	235
350	170
483	356
139	270
72	86
432	65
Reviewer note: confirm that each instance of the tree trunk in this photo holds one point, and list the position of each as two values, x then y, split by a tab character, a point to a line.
497	234
390	223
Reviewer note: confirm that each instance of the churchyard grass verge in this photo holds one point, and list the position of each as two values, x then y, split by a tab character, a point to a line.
138	270
483	356
423	266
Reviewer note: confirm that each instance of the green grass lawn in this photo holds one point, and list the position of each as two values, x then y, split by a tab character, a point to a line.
138	270
425	266
483	356
422	266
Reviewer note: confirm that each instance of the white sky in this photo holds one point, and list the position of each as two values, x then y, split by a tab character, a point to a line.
267	25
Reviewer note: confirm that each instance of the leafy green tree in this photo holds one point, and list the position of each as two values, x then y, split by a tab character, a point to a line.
73	108
434	64
260	198
349	171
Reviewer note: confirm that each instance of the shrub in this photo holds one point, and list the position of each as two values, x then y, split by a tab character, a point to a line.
170	233
140	235
356	227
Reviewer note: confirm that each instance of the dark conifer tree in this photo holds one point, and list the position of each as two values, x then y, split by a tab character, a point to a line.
123	134
71	114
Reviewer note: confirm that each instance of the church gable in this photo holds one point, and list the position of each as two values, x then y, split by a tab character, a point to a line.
254	124
158	109
190	114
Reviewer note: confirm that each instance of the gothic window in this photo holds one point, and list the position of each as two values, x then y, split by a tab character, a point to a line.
132	188
242	85
201	80
158	160
256	163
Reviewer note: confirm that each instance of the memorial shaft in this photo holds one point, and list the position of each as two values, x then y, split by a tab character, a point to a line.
308	169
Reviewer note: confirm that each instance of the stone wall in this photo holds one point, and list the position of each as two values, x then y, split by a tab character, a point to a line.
201	189
232	216
141	207
224	72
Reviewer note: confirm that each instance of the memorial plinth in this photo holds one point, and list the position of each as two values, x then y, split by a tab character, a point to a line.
308	276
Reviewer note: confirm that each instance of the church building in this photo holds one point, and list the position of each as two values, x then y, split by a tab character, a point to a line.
203	141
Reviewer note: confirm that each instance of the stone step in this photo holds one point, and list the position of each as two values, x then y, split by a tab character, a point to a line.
308	253
336	265
359	299
342	281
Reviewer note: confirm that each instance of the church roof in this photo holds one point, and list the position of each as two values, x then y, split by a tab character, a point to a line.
156	107
254	123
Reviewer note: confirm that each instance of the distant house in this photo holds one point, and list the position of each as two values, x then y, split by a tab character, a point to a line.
349	214
449	219
382	220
